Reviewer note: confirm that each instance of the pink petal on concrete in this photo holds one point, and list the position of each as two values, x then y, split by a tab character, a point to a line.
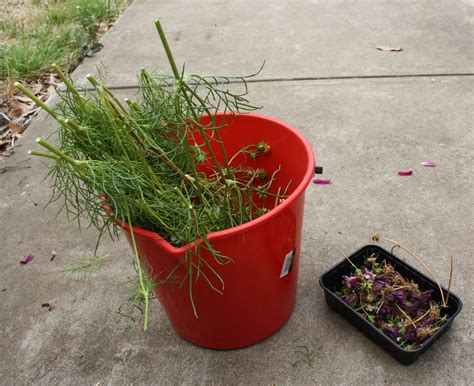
27	259
322	182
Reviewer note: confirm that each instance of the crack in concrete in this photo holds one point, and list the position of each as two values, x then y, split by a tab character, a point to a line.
317	78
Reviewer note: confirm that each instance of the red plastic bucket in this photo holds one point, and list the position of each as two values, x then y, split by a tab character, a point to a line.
260	286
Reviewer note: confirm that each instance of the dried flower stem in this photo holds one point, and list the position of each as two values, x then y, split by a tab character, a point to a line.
450	279
406	316
422	316
420	261
337	249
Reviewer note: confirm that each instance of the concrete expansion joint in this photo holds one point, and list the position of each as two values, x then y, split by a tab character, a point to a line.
321	78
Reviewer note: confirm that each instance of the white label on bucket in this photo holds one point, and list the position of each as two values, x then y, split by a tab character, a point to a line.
288	263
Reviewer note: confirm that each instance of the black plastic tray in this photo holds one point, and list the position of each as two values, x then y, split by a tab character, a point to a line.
331	281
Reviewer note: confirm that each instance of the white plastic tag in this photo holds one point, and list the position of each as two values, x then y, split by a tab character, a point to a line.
288	263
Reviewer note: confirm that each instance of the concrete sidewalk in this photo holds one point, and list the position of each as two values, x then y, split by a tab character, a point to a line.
367	114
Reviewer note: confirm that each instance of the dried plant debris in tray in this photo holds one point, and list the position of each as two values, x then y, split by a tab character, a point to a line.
394	304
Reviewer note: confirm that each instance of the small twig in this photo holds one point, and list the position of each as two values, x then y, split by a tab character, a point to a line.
380	306
406	316
450	280
277	198
422	316
395	246
357	269
399	288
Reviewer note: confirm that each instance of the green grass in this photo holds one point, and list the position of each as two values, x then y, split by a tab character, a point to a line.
47	32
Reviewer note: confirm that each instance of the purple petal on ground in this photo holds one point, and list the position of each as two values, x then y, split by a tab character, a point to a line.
322	182
429	164
405	173
27	259
48	306
53	255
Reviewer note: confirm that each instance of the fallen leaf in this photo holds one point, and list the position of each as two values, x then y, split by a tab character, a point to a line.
387	48
103	27
4	119
23	99
322	182
48	306
36	88
429	164
19	109
405	173
15	128
27	259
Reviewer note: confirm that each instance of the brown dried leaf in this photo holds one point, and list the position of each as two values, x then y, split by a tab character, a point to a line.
4	119
36	88
23	99
16	128
103	27
387	48
52	79
19	109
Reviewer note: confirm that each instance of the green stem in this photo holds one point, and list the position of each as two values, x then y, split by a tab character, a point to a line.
133	105
190	262
166	46
43	154
35	99
243	150
73	125
204	137
97	84
219	139
183	198
78	97
64	78
57	152
179	79
143	289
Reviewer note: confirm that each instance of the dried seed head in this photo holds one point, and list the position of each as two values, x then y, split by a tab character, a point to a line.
263	147
262	173
376	237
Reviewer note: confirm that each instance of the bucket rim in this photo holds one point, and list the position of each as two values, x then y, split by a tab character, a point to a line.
299	190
